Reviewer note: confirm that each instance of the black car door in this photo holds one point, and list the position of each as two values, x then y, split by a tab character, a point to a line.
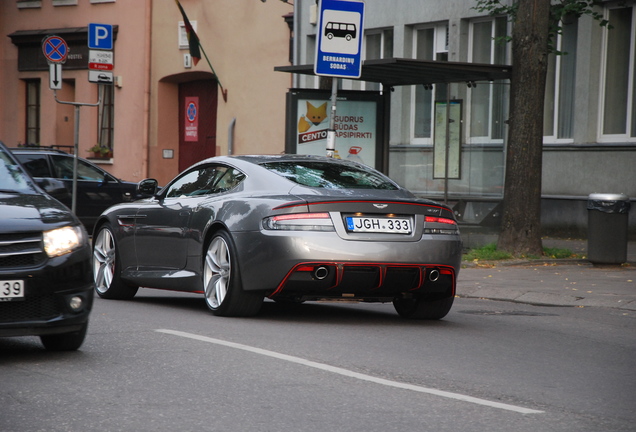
38	165
96	189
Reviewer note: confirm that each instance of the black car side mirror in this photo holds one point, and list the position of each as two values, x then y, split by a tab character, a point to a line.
147	187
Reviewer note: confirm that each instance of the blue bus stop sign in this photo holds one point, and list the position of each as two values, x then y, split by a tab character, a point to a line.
341	29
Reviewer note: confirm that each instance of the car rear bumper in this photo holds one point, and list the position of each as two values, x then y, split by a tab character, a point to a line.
280	263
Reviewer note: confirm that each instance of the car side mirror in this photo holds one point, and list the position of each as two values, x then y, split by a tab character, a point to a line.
147	187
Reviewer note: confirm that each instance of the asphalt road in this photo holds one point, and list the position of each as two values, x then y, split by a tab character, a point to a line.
162	362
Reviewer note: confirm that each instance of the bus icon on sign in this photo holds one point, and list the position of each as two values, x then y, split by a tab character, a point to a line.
341	30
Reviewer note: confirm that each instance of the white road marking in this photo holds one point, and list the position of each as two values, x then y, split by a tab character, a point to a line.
352	374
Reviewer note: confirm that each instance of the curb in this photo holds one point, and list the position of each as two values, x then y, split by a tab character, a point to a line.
543	262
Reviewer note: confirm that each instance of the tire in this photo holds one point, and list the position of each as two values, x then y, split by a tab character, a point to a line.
65	341
107	267
422	308
224	294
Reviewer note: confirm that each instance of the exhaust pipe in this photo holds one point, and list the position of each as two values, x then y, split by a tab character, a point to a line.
321	272
433	275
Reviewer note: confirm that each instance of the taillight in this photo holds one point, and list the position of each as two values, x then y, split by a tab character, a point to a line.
299	222
440	220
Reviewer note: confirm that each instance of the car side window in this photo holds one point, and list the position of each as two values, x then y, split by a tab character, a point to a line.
194	183
63	166
205	181
36	164
228	179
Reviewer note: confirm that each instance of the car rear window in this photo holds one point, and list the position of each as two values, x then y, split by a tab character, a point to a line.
330	175
36	164
12	178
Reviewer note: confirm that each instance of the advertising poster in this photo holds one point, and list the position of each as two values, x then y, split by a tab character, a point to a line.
356	127
454	144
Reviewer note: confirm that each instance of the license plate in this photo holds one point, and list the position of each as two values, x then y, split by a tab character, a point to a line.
379	225
11	290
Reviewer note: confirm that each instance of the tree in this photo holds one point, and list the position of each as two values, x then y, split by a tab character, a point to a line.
536	24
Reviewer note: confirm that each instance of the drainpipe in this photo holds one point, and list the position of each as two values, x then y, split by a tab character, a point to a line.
230	137
145	164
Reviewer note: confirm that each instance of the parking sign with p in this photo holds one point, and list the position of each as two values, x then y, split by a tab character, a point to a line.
100	36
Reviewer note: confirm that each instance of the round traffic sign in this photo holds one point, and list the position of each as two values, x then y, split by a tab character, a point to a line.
55	49
191	112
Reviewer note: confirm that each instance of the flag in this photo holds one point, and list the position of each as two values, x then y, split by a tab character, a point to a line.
193	39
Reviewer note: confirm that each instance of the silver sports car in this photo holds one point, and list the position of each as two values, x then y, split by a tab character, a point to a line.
290	228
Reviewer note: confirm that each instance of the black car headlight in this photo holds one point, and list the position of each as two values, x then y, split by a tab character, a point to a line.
63	240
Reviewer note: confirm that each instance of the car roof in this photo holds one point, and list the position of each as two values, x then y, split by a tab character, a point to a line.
283	157
37	149
260	159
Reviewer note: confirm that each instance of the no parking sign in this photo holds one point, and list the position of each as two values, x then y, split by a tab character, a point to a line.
55	49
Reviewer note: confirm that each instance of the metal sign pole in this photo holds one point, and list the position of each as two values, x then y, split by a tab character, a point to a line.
75	151
447	143
331	132
56	51
339	50
77	106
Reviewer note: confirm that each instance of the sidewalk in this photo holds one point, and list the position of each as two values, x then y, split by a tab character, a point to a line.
558	282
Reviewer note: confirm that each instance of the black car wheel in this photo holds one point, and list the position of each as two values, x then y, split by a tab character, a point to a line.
422	308
221	281
106	267
65	341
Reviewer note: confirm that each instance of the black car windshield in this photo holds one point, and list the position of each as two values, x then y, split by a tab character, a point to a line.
12	178
330	175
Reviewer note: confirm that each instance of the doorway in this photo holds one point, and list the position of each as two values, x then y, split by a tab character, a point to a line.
197	121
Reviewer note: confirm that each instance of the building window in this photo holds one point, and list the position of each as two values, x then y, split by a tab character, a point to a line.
429	43
64	2
106	117
183	34
378	45
618	110
487	100
558	112
27	4
32	112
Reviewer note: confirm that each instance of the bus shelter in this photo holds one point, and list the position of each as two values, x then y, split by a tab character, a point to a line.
394	72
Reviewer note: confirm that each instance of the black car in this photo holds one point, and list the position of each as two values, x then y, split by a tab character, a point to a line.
46	279
96	188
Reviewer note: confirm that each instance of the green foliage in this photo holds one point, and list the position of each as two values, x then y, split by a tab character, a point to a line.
561	12
490	252
558	253
97	149
487	253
